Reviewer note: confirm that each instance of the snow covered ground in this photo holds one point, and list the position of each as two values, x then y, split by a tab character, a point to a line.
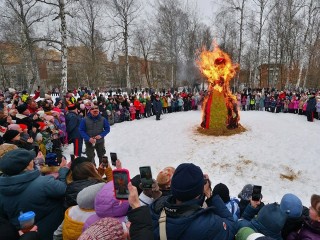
275	147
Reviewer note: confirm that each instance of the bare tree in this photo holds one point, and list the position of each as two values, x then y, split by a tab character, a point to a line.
27	13
144	42
123	13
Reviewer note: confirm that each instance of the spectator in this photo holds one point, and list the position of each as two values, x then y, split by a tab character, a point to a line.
157	107
23	189
183	215
93	129
73	122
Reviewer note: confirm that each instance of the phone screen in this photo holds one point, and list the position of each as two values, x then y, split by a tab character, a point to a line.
120	181
256	193
114	158
146	177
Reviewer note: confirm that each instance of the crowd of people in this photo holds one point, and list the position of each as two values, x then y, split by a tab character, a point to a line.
301	103
73	198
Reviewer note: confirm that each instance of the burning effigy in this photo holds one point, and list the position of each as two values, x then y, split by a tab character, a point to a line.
220	115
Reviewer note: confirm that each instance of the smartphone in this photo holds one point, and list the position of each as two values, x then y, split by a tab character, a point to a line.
121	179
146	177
104	161
256	193
114	158
72	157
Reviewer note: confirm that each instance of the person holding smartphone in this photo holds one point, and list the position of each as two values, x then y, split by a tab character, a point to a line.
93	129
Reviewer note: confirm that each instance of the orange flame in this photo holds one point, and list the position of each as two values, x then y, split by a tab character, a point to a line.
217	66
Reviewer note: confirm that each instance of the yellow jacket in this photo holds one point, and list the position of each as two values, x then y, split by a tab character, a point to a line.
107	171
72	228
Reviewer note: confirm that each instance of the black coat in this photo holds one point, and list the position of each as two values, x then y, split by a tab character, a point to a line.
141	223
311	104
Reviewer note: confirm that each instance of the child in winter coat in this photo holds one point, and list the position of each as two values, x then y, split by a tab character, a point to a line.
76	216
132	111
311	227
231	203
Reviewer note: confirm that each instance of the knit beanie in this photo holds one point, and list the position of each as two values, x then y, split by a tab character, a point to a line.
86	196
6	147
243	233
291	205
164	176
187	182
264	238
21	108
255	236
51	159
15	161
23	126
105	228
246	192
223	191
72	107
271	217
9	135
14	127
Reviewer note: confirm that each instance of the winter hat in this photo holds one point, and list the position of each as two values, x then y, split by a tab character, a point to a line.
223	191
187	182
246	192
51	159
255	236
291	205
105	228
13	127
72	107
15	161
82	106
264	238
86	196
6	147
9	135
271	217
42	126
315	203
77	161
21	108
38	137
23	126
106	205
164	176
244	233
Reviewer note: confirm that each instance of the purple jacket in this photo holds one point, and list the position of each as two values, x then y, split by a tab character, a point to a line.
106	205
309	231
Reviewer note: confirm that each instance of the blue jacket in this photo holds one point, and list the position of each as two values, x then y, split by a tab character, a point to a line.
83	130
29	191
190	221
73	122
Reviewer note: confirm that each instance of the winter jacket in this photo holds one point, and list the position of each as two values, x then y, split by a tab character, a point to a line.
141	224
189	221
89	124
309	231
157	106
29	191
73	121
74	219
311	104
106	205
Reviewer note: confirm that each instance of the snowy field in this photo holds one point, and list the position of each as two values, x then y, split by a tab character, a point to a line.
278	151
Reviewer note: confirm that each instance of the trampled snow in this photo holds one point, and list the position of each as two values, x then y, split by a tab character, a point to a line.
274	148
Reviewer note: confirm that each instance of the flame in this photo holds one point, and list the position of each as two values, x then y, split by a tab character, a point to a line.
217	66
220	106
